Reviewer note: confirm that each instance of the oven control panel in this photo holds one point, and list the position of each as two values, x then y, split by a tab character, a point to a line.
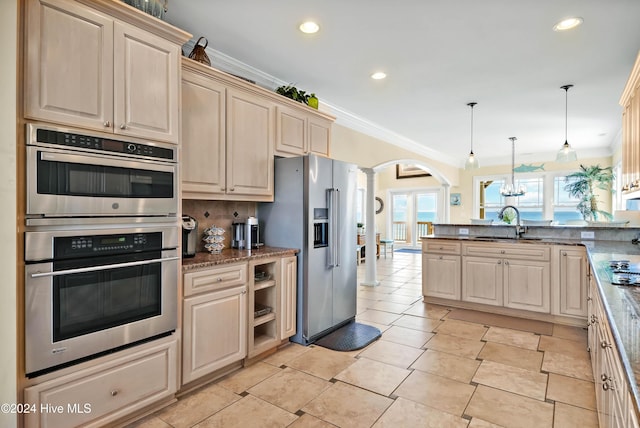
103	144
92	245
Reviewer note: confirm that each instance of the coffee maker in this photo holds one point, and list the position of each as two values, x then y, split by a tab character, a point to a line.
253	233
238	235
189	236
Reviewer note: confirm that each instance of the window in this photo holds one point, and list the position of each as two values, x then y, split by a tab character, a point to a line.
360	206
530	204
564	205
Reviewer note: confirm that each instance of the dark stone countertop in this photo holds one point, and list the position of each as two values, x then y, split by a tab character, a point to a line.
229	255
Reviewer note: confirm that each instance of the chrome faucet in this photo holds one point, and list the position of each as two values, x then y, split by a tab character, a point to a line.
519	229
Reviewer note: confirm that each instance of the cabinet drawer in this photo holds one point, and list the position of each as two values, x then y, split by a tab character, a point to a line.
508	251
106	392
440	246
215	279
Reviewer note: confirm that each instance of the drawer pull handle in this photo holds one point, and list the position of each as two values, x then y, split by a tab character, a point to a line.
604	377
605	345
123	126
114	392
107	124
501	251
219	279
605	386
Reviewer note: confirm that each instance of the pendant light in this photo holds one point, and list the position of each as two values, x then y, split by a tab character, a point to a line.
472	162
566	153
509	189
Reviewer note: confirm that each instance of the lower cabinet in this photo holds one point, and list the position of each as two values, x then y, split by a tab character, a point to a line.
98	395
527	285
482	280
572	276
214	328
288	296
214	331
441	276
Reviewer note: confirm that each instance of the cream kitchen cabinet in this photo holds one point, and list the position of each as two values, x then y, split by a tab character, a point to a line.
98	395
299	132
513	275
288	296
570	276
214	319
630	102
227	137
109	70
441	269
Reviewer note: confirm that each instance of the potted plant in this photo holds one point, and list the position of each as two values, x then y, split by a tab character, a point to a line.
296	94
582	185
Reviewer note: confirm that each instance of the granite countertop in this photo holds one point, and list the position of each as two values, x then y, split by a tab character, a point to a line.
205	259
622	310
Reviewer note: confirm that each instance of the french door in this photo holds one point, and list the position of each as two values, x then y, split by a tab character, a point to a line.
412	214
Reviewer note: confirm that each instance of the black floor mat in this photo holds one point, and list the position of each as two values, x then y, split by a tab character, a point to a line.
350	337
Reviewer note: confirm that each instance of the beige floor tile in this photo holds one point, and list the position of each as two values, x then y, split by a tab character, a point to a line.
322	362
570	416
506	336
197	406
290	389
508	409
417	323
286	354
373	375
427	310
567	365
435	391
579	334
309	421
447	365
249	412
407	336
392	353
347	406
396	308
380	317
512	379
385	288
399	298
455	345
406	413
371	295
381	327
480	423
463	329
512	356
577	392
151	421
409	291
244	379
563	346
505	321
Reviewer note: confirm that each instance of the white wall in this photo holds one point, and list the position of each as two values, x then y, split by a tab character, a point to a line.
8	47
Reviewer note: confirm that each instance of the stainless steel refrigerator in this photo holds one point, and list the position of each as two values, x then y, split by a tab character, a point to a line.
314	210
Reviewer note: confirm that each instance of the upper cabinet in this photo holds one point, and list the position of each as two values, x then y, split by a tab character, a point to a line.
299	132
630	102
107	67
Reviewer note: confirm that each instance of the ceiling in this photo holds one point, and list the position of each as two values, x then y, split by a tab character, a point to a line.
439	56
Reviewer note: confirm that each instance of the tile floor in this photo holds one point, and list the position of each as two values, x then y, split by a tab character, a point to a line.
427	370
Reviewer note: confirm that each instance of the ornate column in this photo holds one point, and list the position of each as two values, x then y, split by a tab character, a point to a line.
370	231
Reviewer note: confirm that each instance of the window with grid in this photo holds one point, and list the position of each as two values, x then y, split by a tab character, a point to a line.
564	205
530	205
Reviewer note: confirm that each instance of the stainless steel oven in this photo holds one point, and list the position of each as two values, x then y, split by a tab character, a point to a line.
71	173
94	290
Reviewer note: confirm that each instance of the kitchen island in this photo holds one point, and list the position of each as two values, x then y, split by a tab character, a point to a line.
612	311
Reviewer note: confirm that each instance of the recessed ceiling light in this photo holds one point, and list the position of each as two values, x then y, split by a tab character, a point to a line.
378	75
568	24
309	27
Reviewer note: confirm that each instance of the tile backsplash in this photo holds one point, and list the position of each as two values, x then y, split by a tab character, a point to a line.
218	213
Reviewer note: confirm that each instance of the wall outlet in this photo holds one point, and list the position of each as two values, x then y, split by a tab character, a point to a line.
463	231
588	235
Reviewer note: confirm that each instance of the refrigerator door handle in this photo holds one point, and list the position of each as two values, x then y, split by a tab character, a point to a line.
337	227
331	246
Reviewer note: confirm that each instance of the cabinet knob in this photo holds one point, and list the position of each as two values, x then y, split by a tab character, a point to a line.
605	386
107	124
114	392
501	251
232	189
219	279
589	299
499	262
605	345
604	377
506	262
564	253
123	126
440	257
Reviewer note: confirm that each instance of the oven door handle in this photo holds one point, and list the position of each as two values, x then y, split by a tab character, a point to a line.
102	267
103	160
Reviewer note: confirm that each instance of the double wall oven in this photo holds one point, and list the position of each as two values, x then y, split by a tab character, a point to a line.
101	258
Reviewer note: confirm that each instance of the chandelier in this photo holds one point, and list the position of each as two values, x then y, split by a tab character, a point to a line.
510	189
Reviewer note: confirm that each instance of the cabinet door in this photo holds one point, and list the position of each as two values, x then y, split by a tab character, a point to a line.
288	293
250	141
441	276
68	64
214	332
482	280
573	282
527	285
203	136
146	84
319	136
291	132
